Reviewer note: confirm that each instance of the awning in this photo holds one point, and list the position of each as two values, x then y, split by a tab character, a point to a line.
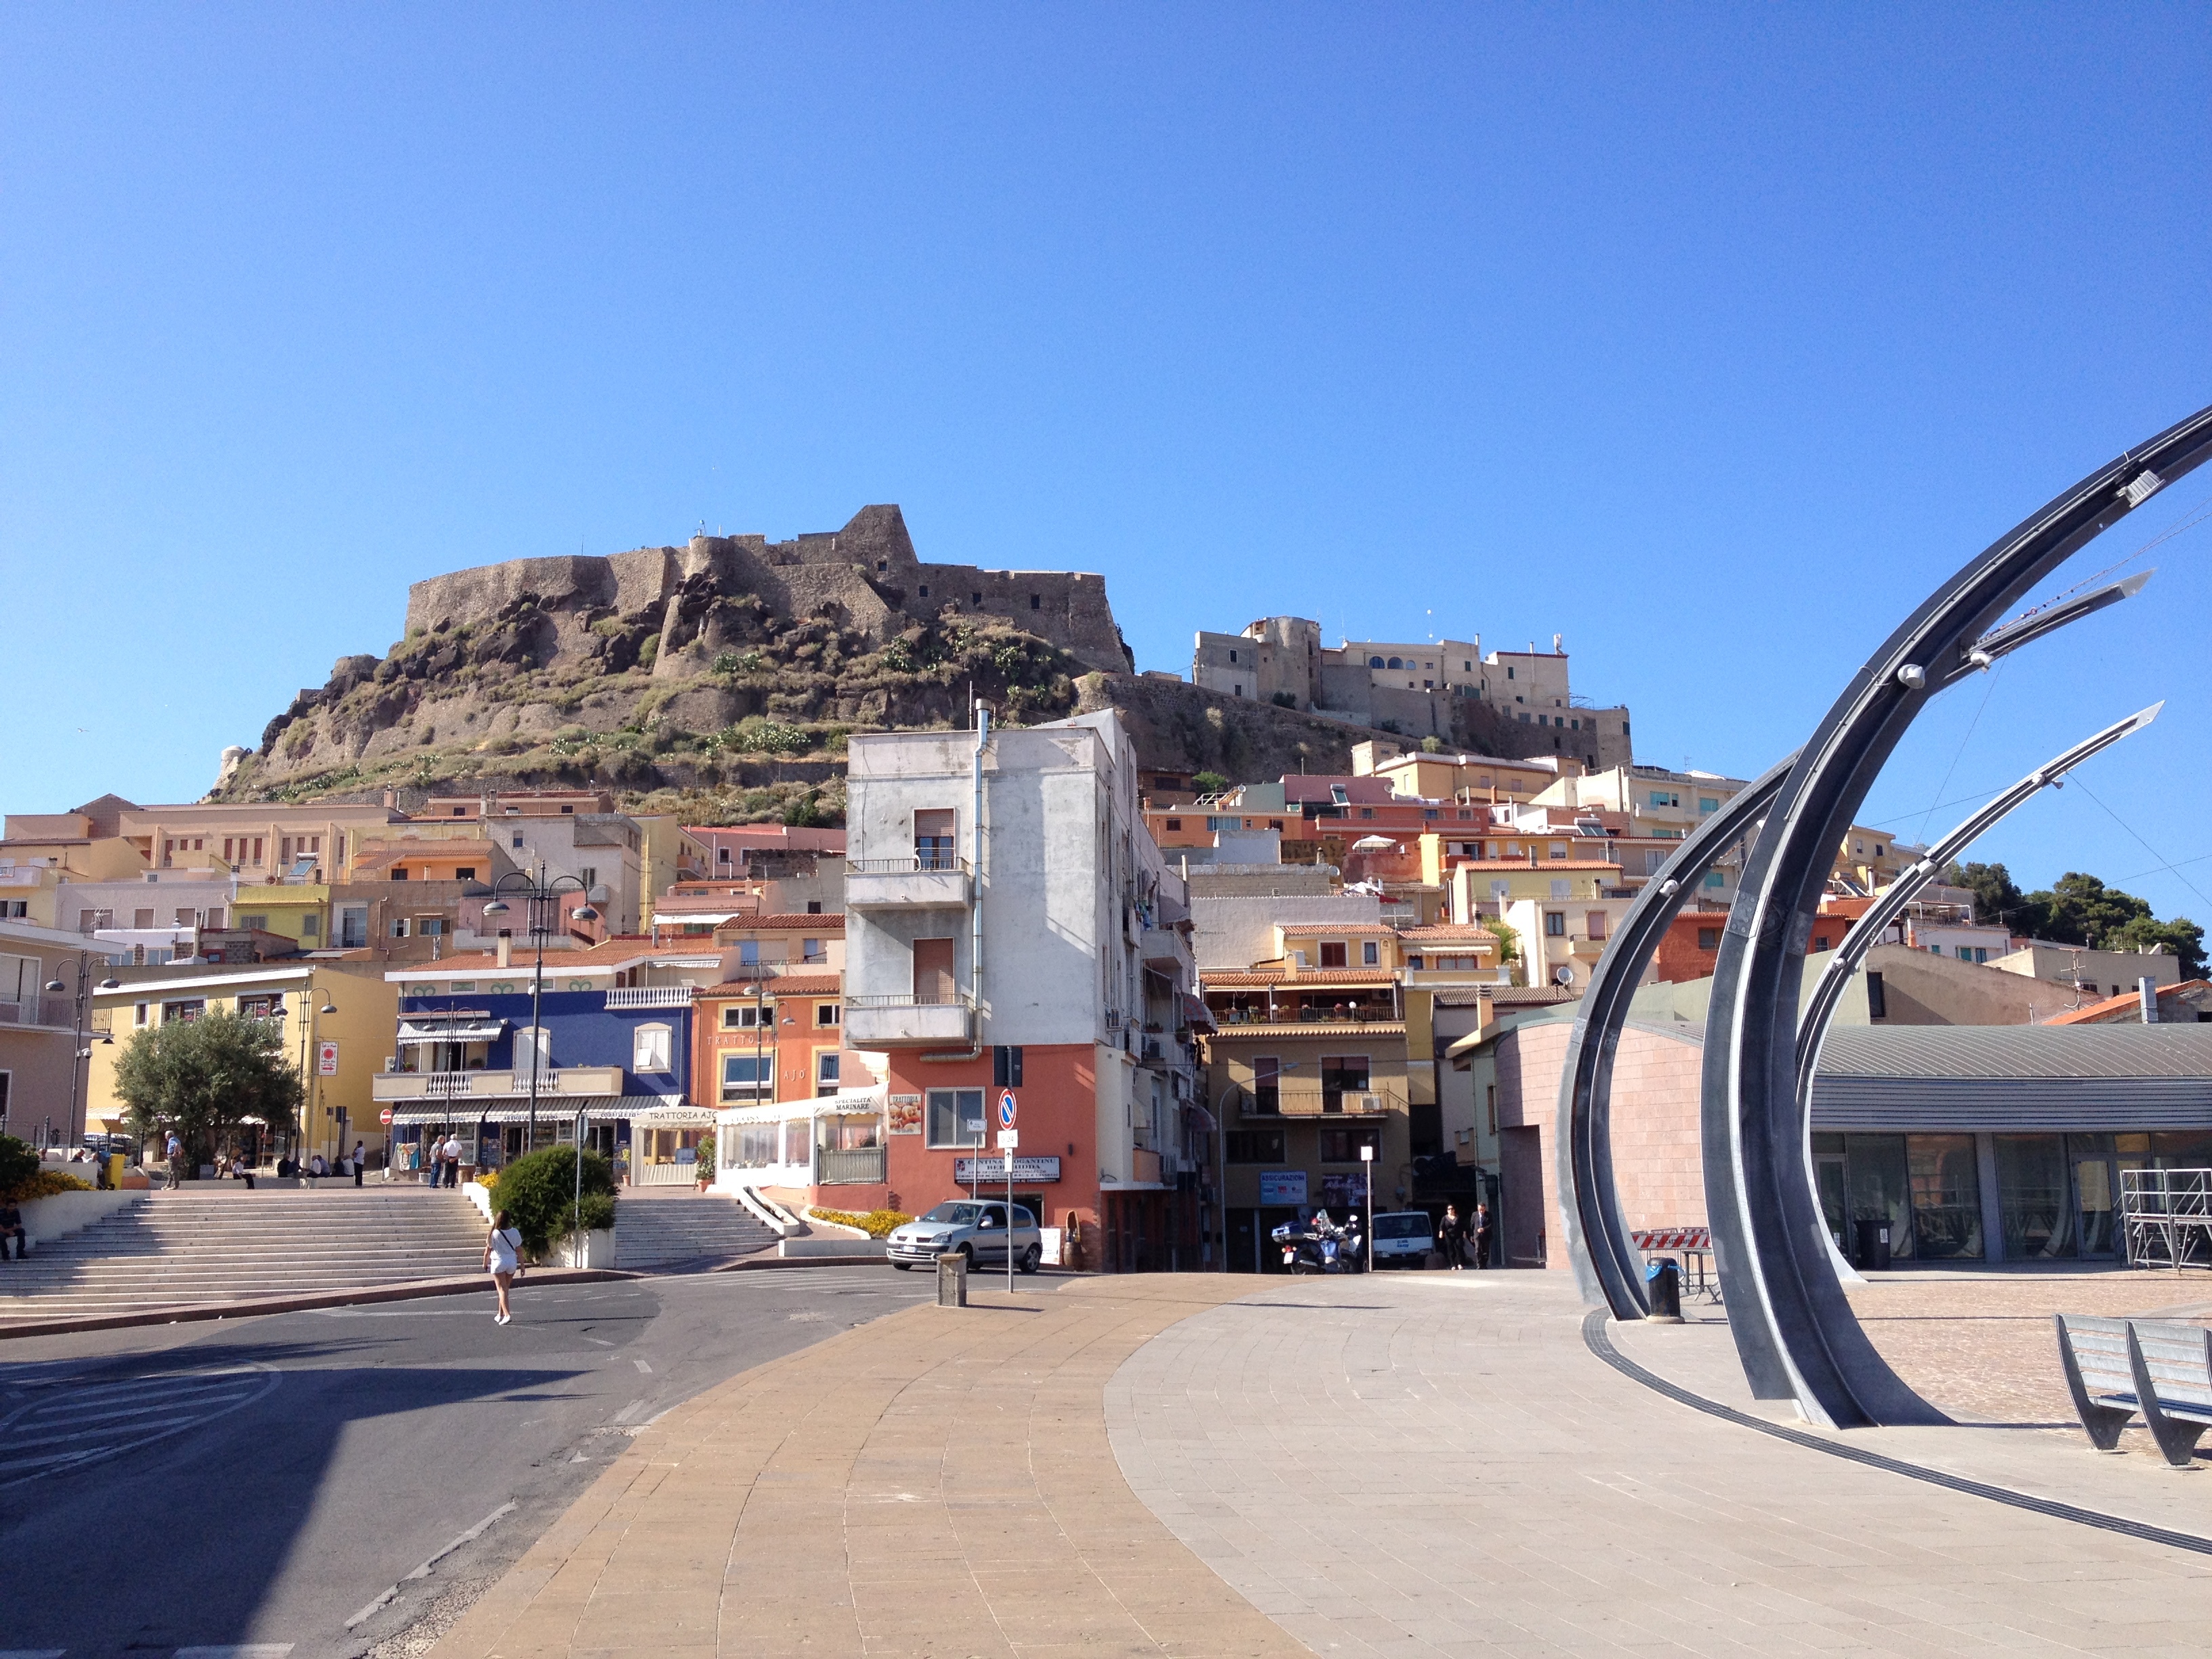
603	1108
679	918
676	1117
850	1102
483	1031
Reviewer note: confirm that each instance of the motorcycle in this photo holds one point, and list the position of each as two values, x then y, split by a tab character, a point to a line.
1319	1247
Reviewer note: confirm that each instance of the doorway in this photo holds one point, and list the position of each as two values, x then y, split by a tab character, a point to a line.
1835	1198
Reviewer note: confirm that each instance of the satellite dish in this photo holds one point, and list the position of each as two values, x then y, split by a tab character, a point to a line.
1563	975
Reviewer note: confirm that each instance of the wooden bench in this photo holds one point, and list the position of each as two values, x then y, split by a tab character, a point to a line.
2118	1367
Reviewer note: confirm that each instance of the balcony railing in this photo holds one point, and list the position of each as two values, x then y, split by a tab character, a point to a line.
920	881
861	1166
58	1013
651	996
552	1083
882	1022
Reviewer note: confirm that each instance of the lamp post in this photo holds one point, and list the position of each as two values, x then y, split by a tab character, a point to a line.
312	1029
78	1053
544	898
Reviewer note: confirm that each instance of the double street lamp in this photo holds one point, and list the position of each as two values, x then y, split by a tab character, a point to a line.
543	897
79	1053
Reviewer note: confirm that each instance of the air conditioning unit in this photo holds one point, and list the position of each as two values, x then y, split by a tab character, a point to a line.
1363	1102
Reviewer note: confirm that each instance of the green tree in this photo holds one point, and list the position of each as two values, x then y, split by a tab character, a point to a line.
2080	909
1997	898
538	1190
2181	937
202	1078
1433	745
1208	783
19	1162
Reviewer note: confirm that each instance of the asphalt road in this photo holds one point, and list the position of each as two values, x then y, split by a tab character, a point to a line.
267	1481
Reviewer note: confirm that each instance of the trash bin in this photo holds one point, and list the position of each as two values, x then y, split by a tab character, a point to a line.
952	1280
1874	1246
1663	1281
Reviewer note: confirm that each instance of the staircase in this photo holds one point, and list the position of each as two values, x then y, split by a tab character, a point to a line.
227	1244
708	1229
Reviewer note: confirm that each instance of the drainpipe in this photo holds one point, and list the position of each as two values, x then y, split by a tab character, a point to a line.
975	1047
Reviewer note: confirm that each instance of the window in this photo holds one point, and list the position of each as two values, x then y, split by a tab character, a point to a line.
464	873
745	1017
430	927
1371	953
518	841
1341	1075
143	918
251	923
1562	889
1490	1101
1594	925
1267	1084
1709	939
722	855
1175	823
1342	1146
399	926
1332	953
185	1012
353	927
1877	1004
1256	1146
749	952
826	1014
1715	878
1366	811
825	1072
650	1050
954	1117
1555	924
311	927
1708	804
933	982
138	1013
932	840
809	950
749	1077
1036	602
1559	849
399	872
1232	656
262	1007
1509	673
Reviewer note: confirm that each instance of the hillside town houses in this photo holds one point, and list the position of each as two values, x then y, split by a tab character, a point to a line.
1200	1013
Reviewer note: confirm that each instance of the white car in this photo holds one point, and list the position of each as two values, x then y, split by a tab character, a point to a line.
975	1228
1403	1239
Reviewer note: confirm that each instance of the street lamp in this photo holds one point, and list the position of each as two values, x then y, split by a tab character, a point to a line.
78	1052
544	898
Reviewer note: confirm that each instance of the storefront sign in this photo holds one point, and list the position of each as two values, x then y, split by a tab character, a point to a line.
972	1171
906	1115
1343	1191
1282	1185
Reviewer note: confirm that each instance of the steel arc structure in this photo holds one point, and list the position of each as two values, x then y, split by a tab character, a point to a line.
1794	1329
1606	1265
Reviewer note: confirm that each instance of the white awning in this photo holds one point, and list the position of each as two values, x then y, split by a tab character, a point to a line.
477	1031
675	1117
712	918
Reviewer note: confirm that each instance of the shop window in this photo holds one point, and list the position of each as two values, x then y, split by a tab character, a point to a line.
747	1077
1947	1197
2034	1205
954	1117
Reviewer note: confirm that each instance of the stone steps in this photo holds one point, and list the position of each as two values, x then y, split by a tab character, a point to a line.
657	1232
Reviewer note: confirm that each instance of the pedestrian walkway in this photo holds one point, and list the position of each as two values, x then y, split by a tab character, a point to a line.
1418	1464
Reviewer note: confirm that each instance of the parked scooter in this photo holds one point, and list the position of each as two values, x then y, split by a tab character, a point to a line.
1322	1247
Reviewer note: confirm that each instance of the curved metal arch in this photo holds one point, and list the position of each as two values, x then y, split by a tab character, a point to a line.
1794	1330
1813	1023
1607	1267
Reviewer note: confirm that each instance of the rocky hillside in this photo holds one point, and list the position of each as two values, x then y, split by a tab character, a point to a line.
723	679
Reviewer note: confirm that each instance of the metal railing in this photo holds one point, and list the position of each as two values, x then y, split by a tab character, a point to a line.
2165	1218
58	1012
957	1000
912	864
857	1166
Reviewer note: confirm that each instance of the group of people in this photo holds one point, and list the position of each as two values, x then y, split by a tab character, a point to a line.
1464	1240
441	1162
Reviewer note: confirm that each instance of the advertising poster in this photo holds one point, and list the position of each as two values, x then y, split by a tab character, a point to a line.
1282	1187
906	1115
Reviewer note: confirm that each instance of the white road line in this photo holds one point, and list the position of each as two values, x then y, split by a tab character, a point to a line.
630	1411
643	1366
32	1653
424	1571
238	1651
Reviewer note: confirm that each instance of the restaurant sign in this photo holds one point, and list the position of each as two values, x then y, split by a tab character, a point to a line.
973	1171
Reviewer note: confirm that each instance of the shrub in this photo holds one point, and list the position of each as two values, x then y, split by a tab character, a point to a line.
706	1155
46	1183
1284	700
877	1224
1208	783
539	1190
19	1164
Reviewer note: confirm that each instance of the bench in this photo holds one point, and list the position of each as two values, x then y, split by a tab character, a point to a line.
2118	1367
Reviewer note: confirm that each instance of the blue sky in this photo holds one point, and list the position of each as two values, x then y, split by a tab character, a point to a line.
1709	338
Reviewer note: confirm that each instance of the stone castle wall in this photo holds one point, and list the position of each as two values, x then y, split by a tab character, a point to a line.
866	576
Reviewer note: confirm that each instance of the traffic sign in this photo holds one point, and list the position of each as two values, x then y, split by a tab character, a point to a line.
384	1117
1007	1109
1009	1139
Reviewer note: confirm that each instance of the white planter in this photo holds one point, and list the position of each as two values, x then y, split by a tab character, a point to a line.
860	1248
598	1250
48	1218
479	1195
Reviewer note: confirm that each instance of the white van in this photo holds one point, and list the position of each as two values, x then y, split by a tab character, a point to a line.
1403	1239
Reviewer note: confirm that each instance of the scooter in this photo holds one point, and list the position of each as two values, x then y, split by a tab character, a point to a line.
1319	1248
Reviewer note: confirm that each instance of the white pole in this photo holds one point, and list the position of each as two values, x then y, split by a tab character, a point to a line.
1367	1237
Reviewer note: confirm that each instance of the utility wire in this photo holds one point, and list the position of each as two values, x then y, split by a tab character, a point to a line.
1987	691
2196	515
2146	845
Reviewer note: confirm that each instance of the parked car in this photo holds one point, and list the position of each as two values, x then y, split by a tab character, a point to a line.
975	1228
1403	1239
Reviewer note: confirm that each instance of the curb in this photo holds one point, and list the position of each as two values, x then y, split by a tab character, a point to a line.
196	1313
771	1263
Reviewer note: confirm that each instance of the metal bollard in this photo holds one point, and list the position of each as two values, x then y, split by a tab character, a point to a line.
1663	1278
952	1280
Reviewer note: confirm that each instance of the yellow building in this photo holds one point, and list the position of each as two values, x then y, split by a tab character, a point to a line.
258	842
43	852
1460	777
336	1020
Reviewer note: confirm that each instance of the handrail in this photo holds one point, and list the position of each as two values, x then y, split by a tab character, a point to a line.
912	864
958	1000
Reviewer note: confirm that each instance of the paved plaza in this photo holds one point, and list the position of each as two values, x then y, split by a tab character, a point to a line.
1407	1464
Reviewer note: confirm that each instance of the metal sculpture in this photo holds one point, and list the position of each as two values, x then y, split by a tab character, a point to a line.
1608	1266
1794	1330
1880	916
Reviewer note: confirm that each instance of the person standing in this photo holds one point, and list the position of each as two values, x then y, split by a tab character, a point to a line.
174	1149
1481	1235
502	1255
453	1154
356	1163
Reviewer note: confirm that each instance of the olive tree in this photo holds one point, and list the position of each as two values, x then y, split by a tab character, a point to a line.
202	1078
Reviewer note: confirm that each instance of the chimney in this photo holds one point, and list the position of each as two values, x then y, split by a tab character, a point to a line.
391	799
1485	1009
506	948
2147	992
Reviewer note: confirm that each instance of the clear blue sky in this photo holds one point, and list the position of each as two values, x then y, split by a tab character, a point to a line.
1709	338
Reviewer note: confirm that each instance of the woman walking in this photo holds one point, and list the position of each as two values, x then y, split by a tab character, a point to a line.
1452	1238
502	1255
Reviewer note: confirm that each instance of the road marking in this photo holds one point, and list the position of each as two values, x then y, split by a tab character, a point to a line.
422	1571
238	1651
630	1411
32	1653
643	1366
58	1428
601	1341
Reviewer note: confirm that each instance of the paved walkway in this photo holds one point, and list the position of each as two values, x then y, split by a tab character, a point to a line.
1418	1464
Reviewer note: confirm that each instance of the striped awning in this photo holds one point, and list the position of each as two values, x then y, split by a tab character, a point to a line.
476	1031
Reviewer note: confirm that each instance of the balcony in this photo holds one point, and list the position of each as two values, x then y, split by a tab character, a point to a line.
651	996
1166	950
901	1022
916	882
859	1166
52	1012
1308	1100
503	1085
